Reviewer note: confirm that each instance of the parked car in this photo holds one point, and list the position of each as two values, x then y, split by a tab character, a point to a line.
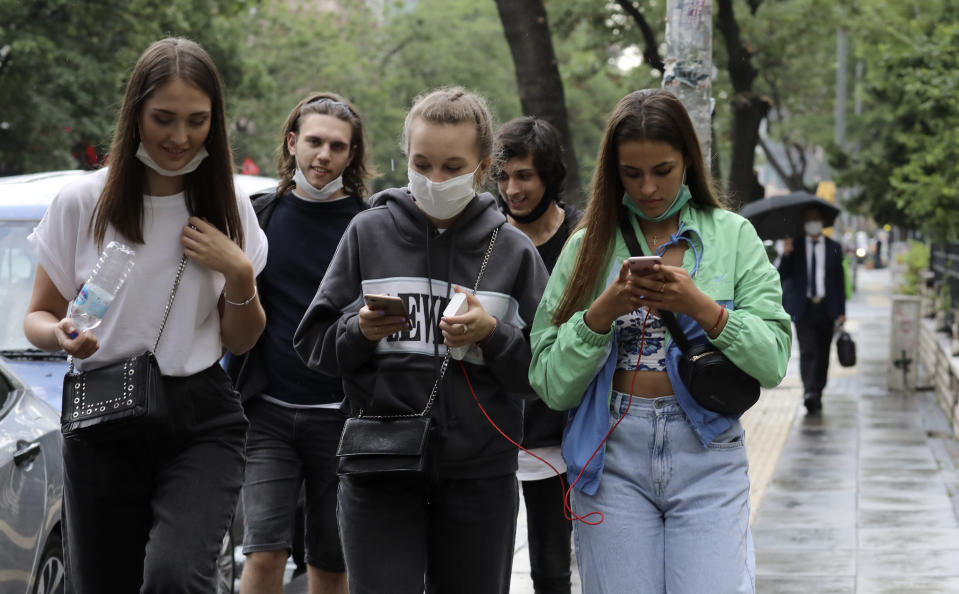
31	472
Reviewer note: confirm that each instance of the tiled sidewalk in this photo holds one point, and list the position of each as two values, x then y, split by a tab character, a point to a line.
860	498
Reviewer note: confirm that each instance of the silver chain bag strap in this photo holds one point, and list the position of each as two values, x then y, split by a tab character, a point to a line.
384	446
121	399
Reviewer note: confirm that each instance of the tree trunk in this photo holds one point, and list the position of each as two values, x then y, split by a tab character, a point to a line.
748	109
748	113
537	76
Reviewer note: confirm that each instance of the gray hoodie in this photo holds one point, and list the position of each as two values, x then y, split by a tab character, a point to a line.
394	249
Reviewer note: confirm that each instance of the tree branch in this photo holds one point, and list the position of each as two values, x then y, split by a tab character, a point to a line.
650	45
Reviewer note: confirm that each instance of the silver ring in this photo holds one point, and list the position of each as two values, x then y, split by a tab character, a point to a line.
466	329
662	289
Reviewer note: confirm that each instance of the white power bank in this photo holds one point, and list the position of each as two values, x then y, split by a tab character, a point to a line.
457	305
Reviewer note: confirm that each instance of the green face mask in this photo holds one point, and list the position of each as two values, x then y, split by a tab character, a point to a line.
682	197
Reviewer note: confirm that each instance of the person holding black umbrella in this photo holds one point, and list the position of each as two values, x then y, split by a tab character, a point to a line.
814	295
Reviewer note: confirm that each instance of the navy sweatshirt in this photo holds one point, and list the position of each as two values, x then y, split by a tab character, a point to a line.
302	236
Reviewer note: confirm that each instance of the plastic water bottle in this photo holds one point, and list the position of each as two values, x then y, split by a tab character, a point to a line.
91	304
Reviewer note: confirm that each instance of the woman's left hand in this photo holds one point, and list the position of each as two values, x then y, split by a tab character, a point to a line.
206	245
670	288
472	326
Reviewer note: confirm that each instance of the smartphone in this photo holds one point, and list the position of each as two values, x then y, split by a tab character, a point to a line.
393	306
643	265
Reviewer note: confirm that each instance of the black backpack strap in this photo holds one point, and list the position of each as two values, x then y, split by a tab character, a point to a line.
632	243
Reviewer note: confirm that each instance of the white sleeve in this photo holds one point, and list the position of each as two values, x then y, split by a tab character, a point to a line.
56	239
254	239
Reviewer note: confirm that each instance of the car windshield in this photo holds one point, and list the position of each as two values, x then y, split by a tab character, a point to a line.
18	263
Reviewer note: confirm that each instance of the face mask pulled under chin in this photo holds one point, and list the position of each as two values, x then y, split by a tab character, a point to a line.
442	200
813	227
190	167
311	192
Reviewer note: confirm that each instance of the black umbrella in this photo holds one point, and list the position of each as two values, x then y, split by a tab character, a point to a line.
778	217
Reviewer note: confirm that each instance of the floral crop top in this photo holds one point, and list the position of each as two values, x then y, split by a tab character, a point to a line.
629	334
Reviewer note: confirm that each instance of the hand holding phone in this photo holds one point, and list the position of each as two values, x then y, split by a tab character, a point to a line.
391	306
643	265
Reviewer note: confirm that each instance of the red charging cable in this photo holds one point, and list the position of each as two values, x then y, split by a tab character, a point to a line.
568	512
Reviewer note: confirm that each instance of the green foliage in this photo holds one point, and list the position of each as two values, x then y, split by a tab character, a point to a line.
915	260
63	65
907	166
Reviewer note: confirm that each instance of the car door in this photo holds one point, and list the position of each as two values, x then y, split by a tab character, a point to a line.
22	483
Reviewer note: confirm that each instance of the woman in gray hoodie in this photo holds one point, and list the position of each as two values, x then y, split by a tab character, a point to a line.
455	527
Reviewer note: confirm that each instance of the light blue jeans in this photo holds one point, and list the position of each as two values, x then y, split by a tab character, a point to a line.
676	514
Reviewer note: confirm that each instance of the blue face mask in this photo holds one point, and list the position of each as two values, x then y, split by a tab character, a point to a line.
682	197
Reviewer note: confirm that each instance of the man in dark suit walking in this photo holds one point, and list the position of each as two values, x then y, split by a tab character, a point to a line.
814	295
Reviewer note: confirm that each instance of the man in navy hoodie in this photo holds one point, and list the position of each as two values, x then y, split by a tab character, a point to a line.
294	415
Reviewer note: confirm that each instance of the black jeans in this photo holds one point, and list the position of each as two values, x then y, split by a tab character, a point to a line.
549	534
453	535
814	331
148	514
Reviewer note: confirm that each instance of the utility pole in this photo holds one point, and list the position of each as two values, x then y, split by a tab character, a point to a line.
689	62
842	51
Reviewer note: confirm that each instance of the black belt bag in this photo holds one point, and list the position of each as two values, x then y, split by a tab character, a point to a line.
715	382
119	400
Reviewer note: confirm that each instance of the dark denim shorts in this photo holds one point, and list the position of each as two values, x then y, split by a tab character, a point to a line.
287	448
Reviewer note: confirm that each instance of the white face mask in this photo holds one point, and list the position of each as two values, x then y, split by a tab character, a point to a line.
442	200
813	228
190	167
312	193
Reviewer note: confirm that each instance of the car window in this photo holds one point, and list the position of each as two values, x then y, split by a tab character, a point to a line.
18	264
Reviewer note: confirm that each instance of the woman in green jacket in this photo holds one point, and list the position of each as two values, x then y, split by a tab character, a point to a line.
672	482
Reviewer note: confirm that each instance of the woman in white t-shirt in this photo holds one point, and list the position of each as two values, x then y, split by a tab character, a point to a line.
147	513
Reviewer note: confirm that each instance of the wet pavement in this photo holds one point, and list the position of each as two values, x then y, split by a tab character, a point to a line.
862	498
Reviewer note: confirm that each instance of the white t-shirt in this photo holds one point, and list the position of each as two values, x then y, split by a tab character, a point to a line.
531	469
191	340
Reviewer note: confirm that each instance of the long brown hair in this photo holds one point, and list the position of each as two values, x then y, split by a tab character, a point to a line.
649	114
209	190
356	172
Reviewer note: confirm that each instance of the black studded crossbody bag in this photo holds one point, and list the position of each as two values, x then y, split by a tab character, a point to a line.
121	399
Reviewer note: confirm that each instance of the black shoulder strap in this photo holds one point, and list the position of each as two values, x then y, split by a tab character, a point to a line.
632	243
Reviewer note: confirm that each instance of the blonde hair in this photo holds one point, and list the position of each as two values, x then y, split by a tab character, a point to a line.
452	105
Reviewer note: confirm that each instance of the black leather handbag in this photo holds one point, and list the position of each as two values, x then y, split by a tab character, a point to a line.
386	446
715	382
117	400
845	348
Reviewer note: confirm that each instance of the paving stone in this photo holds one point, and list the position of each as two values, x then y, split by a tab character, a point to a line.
768	537
805	585
913	538
797	562
910	585
906	562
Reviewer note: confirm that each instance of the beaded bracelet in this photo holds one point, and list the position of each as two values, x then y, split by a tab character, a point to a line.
241	303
